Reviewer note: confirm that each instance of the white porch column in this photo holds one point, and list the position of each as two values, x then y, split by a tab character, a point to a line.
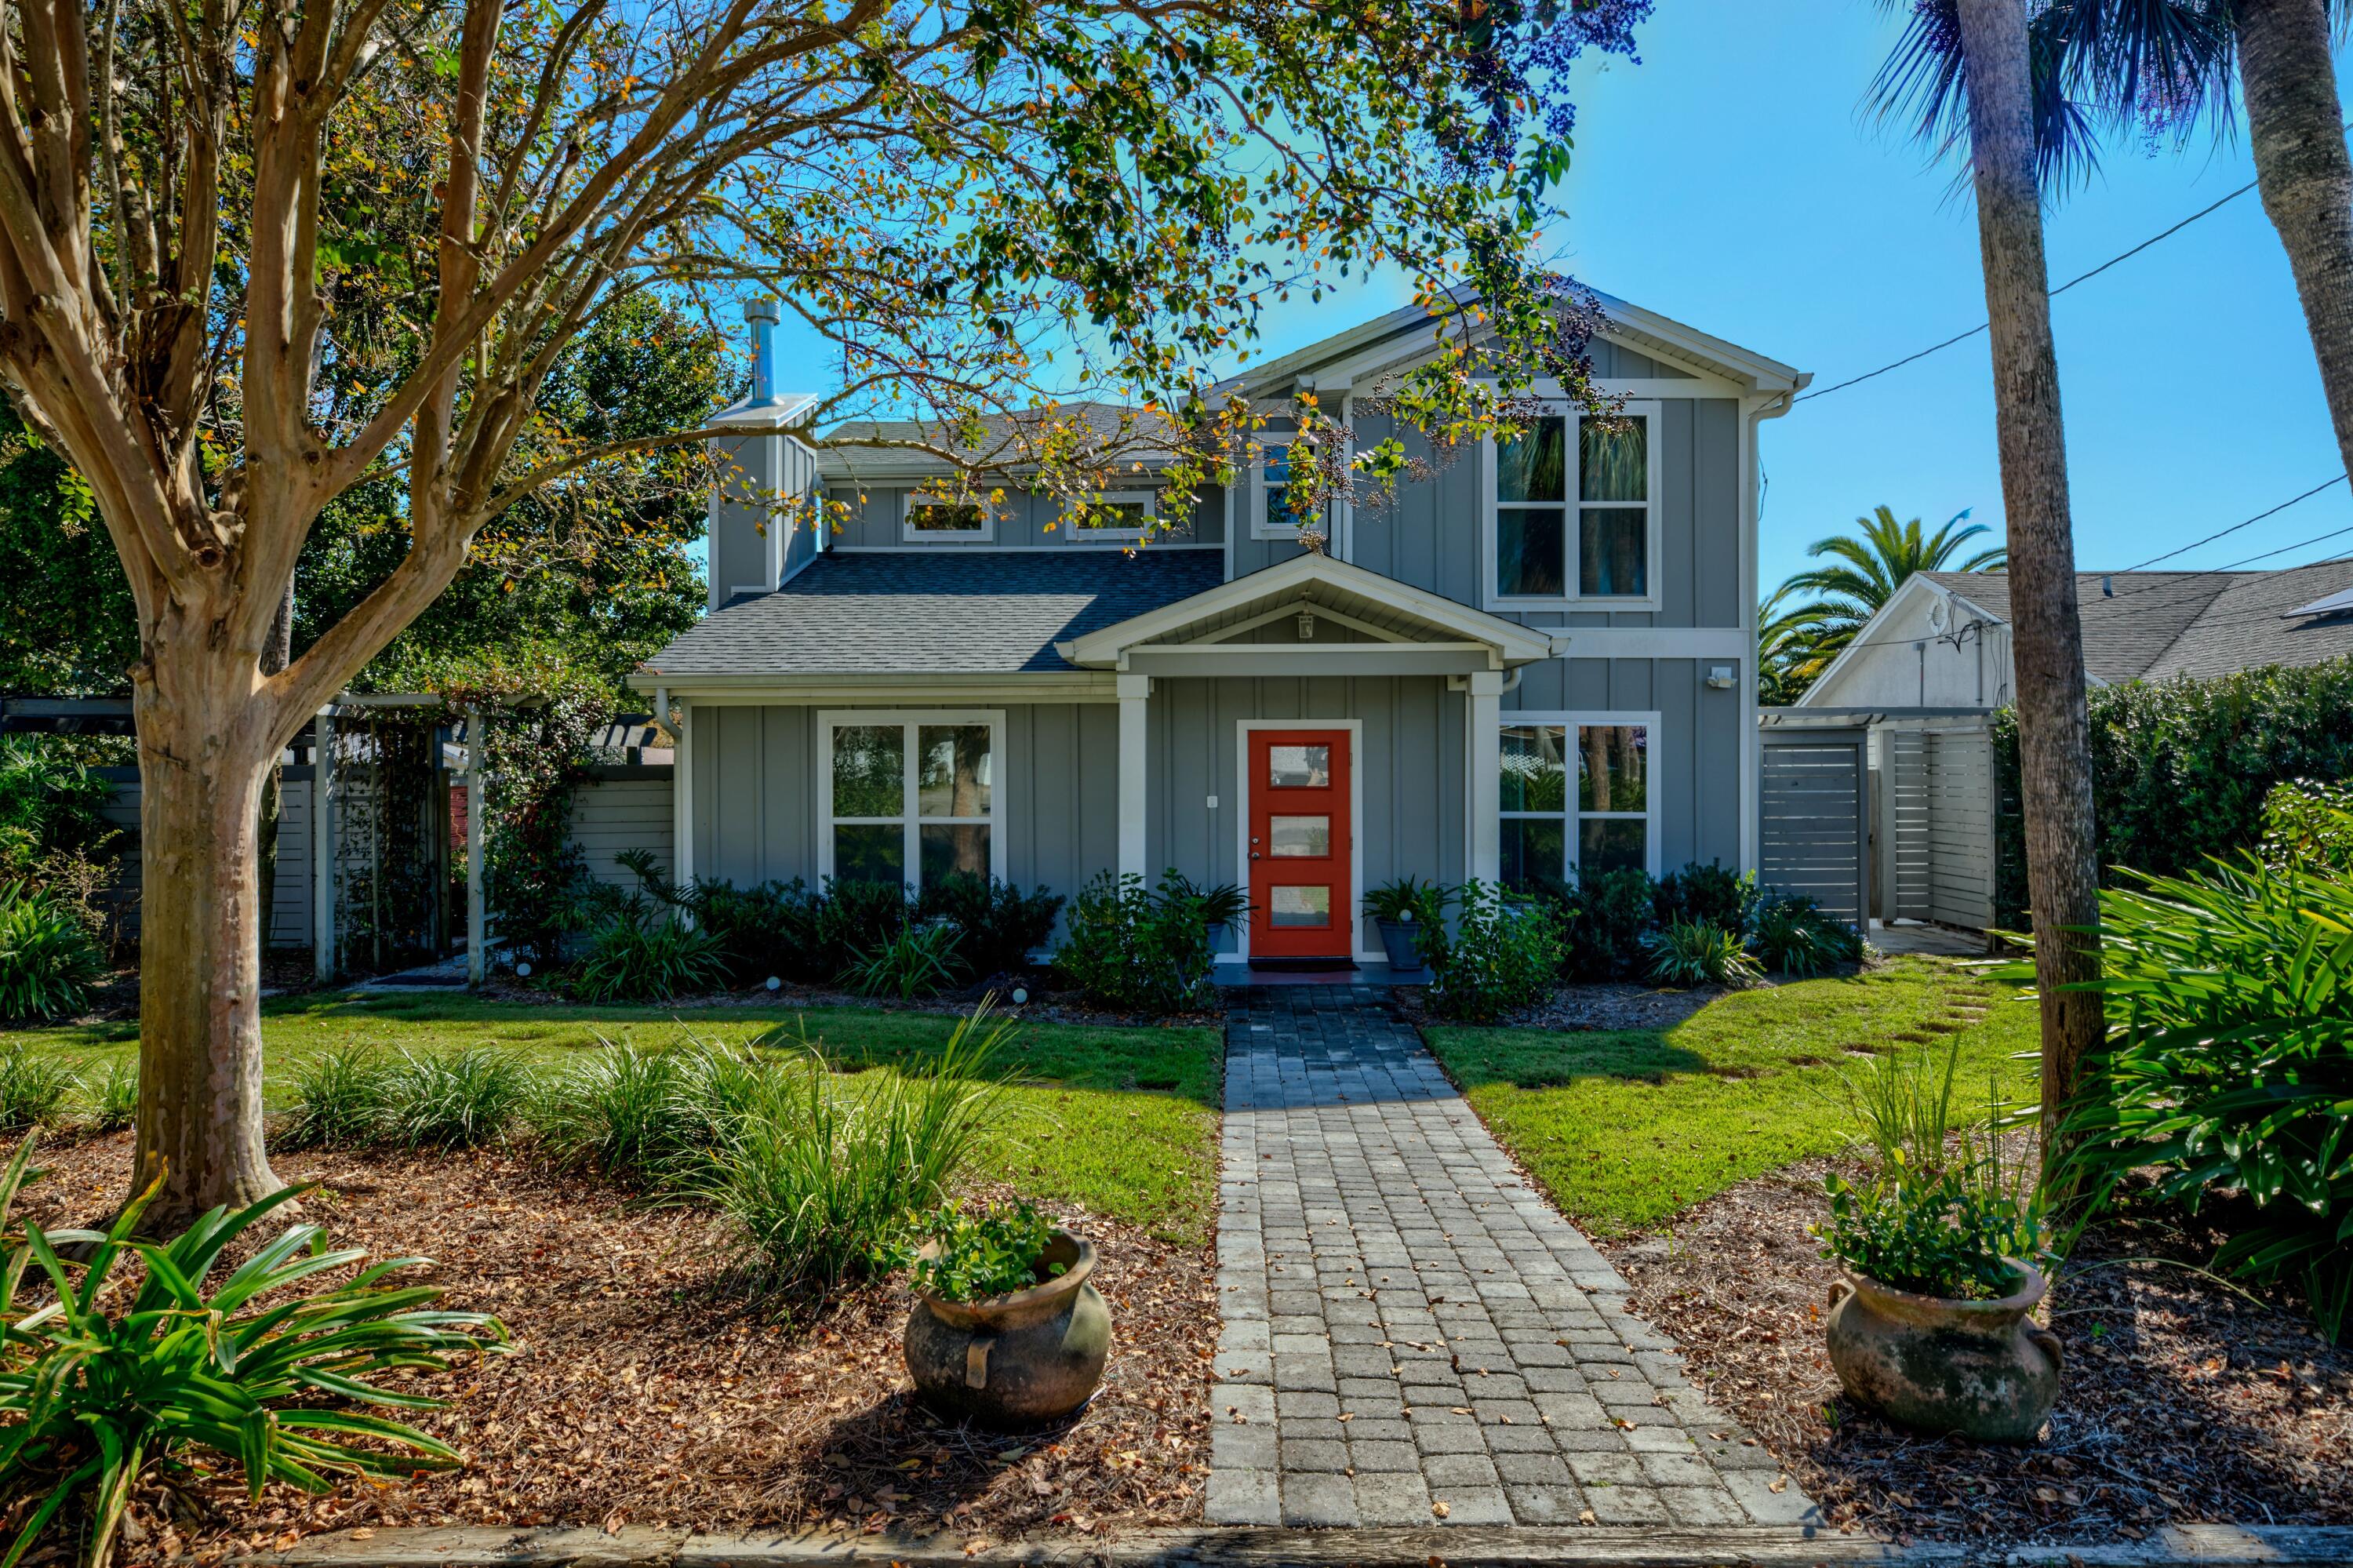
1134	691
681	794
323	847
477	805
1483	742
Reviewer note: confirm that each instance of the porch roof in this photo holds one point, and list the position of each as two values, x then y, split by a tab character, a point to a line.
1399	629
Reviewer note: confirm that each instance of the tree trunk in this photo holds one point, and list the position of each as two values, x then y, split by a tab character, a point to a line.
276	654
2047	637
201	767
2296	124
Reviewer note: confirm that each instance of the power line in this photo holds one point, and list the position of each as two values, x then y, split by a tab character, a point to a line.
2079	278
2323	484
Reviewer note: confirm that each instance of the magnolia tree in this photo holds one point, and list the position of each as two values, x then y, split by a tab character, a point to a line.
254	258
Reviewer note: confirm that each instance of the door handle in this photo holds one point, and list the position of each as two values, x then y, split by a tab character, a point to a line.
1255	855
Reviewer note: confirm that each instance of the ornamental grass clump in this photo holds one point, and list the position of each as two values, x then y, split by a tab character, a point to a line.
33	1086
339	1098
453	1099
1698	952
650	1117
100	1385
645	954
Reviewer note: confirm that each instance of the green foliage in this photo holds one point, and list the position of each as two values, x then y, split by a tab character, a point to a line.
2230	1004
339	1098
33	1086
819	1180
1697	952
1222	904
114	1095
1707	894
1903	1099
644	954
650	1117
856	917
1139	949
996	924
1868	566
48	960
50	804
973	1258
2309	824
2180	768
919	960
105	1382
1608	914
453	1099
1503	957
1792	934
1409	899
1947	1233
68	627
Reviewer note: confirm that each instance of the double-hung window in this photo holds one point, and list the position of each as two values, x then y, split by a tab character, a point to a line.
909	799
1576	796
1576	507
1271	516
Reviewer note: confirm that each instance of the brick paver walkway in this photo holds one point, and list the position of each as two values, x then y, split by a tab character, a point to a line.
1411	1332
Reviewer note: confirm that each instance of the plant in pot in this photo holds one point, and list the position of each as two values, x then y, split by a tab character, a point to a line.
1403	910
1930	1322
1006	1331
1218	908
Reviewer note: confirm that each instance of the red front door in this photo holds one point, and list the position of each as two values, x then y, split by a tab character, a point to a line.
1301	906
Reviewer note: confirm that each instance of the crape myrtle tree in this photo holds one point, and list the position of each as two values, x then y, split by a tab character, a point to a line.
1969	66
253	257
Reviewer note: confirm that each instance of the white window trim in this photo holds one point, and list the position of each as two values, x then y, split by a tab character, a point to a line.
1258	452
1570	815
910	720
1653	543
909	533
1150	499
1355	732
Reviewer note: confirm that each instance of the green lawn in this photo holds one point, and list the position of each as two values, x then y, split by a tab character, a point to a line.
1624	1129
1123	1121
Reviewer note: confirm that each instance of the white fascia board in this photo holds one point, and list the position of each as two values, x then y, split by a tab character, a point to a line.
1912	587
737	688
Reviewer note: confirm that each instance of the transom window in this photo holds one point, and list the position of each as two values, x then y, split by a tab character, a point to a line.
1552	832
1124	515
1576	504
928	517
910	801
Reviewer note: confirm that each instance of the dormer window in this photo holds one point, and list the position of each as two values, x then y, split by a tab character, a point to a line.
927	517
1575	510
1271	513
1119	517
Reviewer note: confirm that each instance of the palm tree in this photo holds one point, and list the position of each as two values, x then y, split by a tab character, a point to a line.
2170	67
1989	54
1877	559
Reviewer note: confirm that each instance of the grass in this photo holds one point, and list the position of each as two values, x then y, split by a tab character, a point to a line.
1120	1121
1625	1127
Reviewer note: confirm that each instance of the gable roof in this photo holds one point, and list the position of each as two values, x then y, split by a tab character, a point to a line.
915	612
1147	436
2153	625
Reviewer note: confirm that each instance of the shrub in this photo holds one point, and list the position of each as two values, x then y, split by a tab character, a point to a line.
644	954
1708	895
1139	949
339	1098
2230	1004
1699	952
973	1258
49	805
1947	1233
48	960
1609	911
33	1086
114	1097
819	1183
771	929
2309	825
1793	935
104	1384
919	960
996	924
648	1118
452	1100
1503	957
853	918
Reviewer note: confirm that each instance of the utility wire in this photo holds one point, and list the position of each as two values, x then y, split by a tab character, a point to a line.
2079	278
2323	484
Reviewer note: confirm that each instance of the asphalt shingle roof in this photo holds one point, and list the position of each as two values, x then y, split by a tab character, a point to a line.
940	611
2156	624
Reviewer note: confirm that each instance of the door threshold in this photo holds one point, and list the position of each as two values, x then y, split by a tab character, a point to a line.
1304	966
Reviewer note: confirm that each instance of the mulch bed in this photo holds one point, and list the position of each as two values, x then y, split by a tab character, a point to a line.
1599	1004
647	1391
2183	1402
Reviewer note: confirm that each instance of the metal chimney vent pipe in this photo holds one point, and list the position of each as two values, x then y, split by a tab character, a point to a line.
764	316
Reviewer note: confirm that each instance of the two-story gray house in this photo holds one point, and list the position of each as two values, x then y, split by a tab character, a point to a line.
1525	662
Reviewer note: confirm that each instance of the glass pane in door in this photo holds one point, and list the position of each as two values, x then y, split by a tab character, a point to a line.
1300	837
1299	767
1301	906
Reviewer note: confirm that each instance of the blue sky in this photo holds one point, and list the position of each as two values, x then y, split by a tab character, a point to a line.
1731	181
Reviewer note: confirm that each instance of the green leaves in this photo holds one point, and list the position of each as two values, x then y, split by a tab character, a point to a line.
1504	956
973	1258
1948	1233
92	1394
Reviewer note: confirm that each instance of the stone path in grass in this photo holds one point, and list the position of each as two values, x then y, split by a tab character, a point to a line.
1410	1331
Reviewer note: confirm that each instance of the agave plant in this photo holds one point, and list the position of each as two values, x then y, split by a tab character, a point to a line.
98	1384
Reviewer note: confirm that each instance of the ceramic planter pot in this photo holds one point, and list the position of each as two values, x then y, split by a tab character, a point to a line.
1979	1368
1404	951
1019	1359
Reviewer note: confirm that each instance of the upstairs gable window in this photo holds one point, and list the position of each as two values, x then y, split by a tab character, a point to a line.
1271	516
1575	503
928	517
1121	515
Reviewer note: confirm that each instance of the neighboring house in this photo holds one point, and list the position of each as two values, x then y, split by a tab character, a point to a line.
1943	639
1500	675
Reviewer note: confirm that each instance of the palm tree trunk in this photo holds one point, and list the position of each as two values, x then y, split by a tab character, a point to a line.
2047	637
2295	122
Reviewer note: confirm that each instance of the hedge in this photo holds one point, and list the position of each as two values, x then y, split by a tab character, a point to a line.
2179	768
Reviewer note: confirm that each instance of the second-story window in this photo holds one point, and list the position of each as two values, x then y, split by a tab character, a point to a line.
1575	508
927	517
1271	516
1121	515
